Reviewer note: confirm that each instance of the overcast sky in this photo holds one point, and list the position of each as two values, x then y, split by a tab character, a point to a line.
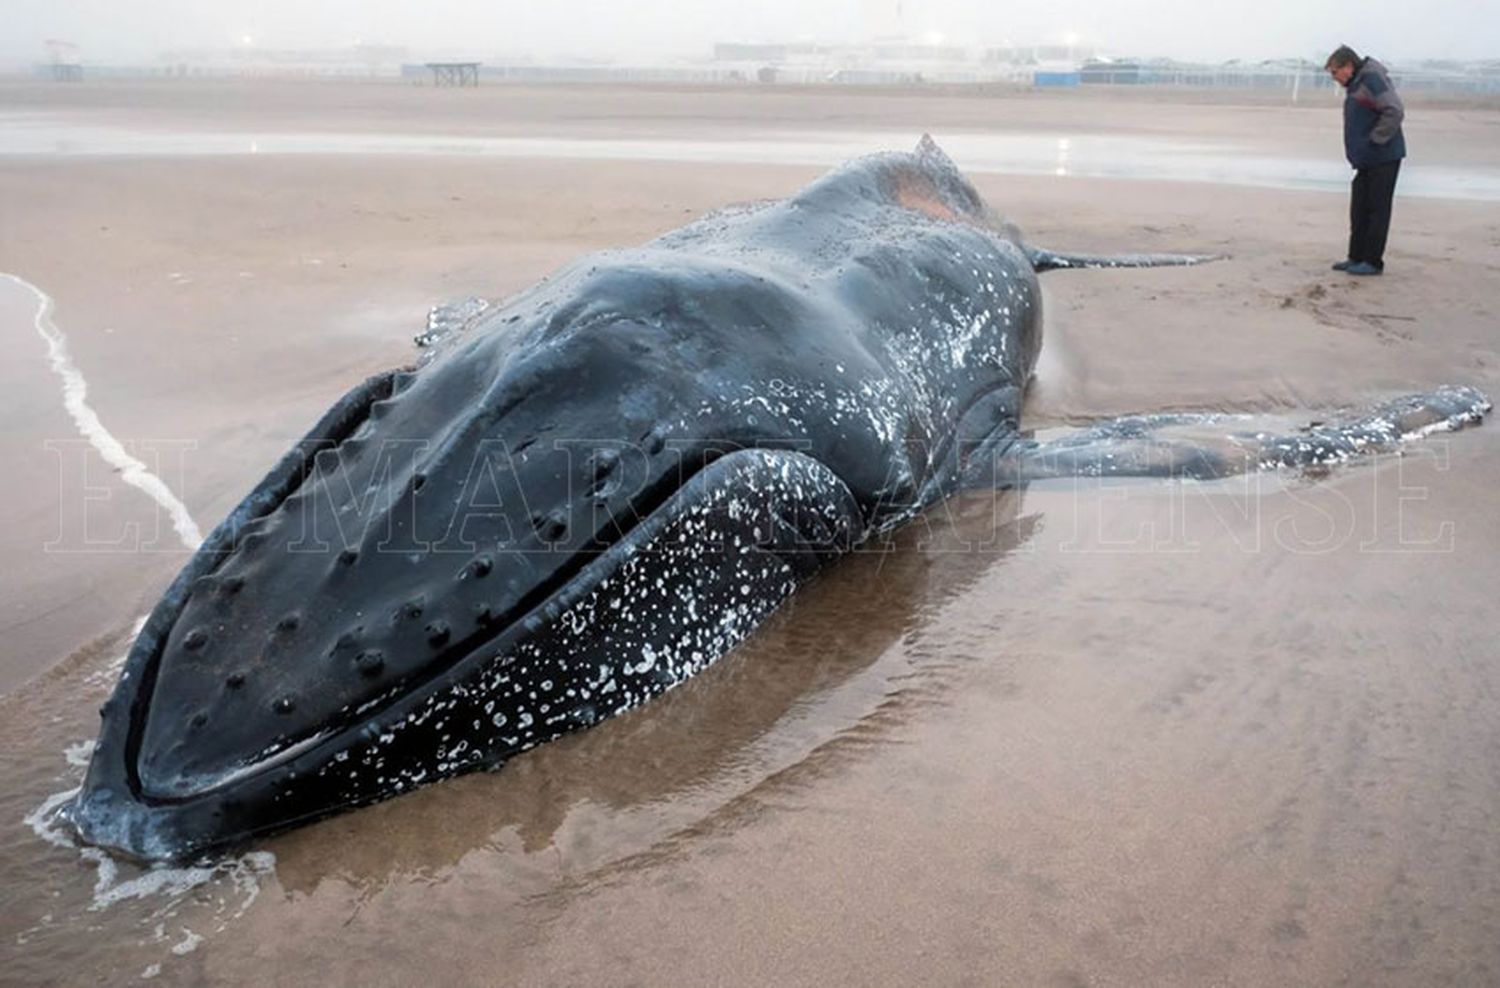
139	30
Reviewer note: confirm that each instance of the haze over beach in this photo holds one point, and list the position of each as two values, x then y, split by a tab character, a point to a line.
1080	733
647	29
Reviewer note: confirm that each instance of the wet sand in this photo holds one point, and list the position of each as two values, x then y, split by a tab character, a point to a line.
1237	733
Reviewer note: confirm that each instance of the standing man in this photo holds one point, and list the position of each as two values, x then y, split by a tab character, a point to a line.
1374	145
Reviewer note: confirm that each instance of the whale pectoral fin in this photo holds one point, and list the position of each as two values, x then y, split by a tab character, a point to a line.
1210	447
1120	457
1049	260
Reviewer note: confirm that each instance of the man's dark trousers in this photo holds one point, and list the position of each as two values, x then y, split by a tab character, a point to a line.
1370	212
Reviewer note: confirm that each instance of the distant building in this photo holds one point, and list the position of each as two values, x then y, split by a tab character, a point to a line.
906	51
1038	54
733	51
1110	73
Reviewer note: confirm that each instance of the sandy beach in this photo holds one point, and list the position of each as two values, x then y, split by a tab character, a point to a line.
1080	734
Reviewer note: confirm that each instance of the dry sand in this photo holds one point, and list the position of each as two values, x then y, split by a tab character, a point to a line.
1225	734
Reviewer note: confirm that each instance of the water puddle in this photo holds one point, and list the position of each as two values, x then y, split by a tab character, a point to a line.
1088	156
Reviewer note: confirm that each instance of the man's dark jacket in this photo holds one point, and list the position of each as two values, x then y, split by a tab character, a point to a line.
1372	117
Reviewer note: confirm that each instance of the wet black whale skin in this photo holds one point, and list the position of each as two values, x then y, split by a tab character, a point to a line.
548	523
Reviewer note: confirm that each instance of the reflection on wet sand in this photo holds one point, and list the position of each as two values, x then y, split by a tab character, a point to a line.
1005	153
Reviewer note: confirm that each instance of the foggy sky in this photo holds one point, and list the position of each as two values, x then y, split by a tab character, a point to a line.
140	30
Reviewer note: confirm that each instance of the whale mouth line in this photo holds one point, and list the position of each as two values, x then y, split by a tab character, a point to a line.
248	770
590	565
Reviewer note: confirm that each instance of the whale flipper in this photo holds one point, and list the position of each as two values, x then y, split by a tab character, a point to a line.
1212	447
1050	260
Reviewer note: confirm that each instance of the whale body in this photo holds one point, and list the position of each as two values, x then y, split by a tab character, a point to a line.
580	501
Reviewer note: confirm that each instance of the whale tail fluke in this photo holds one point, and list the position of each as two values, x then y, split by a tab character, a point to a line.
1200	446
1049	260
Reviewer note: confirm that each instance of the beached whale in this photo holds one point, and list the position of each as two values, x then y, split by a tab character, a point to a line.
595	491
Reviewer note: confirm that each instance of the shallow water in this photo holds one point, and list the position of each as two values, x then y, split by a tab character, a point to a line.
1082	733
1089	155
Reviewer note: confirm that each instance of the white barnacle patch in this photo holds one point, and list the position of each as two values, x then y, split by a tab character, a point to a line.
648	660
660	616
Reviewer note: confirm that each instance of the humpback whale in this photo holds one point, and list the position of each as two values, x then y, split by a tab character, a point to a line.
592	491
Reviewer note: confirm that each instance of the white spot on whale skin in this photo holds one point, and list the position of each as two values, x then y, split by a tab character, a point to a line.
188	944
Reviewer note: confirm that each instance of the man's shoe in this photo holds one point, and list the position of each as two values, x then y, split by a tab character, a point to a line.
1362	268
1343	265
